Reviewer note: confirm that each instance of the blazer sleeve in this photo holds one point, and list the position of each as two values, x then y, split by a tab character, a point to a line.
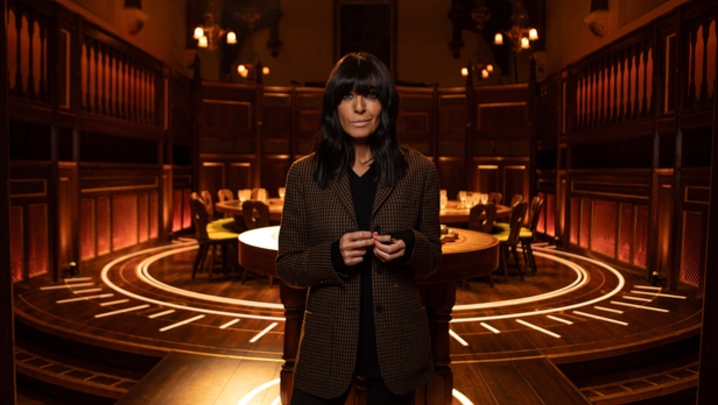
426	255
299	265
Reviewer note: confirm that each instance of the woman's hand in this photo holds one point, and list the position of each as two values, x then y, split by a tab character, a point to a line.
387	249
353	246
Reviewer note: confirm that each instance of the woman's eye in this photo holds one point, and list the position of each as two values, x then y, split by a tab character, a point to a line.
348	96
372	96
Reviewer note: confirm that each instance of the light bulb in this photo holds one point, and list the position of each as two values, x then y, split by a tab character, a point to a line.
244	73
525	43
203	42
198	33
533	34
241	69
498	39
484	74
265	70
489	68
464	71
231	38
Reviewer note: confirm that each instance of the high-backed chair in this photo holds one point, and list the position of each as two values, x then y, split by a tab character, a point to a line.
482	217
256	215
259	193
516	198
209	237
225	194
528	235
208	203
509	240
495	198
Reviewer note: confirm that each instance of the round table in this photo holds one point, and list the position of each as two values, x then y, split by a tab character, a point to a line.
453	215
234	208
473	254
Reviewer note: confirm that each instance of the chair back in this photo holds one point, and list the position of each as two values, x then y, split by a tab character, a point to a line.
260	194
208	204
517	219
535	212
516	198
495	198
225	194
200	219
250	220
485	224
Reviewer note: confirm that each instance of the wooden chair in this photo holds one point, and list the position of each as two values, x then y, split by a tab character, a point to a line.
509	240
527	236
225	194
495	198
208	203
516	198
259	193
258	220
209	237
485	224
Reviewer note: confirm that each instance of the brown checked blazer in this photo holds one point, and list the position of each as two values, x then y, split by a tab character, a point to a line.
312	219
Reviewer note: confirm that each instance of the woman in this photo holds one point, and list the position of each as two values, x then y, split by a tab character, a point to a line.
360	221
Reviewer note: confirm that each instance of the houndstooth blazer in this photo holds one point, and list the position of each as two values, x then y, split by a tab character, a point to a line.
312	219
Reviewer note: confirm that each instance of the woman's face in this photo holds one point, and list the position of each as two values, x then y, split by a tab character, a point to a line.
359	115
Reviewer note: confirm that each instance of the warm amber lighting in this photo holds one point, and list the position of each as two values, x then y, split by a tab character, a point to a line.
464	71
498	39
489	68
241	69
533	34
525	43
484	74
203	42
198	33
231	38
265	70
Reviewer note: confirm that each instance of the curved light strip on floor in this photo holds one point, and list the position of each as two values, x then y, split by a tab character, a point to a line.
106	280
582	279
619	287
251	394
143	273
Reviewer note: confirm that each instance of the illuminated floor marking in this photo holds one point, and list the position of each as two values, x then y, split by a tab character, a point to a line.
647	287
159	314
538	328
178	324
89	290
458	338
557	319
621	283
276	401
489	327
86	298
626	297
104	304
76	279
247	399
65	286
110	284
262	333
121	311
626	304
680	297
615	311
228	324
600	318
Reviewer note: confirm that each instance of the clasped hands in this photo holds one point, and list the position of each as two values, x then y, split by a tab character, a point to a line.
353	246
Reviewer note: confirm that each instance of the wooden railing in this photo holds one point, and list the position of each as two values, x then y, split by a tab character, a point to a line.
622	137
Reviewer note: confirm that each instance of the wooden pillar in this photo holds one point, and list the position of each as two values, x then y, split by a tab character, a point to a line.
7	338
708	373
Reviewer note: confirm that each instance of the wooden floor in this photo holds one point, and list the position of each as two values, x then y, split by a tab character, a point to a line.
220	341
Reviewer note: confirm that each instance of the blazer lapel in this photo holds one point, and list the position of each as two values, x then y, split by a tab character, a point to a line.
382	193
340	188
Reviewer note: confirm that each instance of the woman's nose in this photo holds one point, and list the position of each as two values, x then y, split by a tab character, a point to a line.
359	104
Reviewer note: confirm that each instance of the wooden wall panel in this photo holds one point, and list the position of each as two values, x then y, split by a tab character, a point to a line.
103	231
239	176
177	197
142	218
17	243
693	237
604	227
37	239
87	229
125	220
274	174
154	215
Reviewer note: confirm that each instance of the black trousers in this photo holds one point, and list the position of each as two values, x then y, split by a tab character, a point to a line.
376	394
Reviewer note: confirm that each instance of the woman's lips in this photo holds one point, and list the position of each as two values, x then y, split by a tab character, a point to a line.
360	124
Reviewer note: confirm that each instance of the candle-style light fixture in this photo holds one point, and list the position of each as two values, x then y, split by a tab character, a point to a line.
209	34
521	33
481	69
252	71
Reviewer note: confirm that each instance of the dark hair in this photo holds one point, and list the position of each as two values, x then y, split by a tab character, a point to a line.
362	73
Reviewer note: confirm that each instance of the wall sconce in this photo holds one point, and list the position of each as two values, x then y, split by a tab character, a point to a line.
521	34
208	34
480	69
250	71
598	18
